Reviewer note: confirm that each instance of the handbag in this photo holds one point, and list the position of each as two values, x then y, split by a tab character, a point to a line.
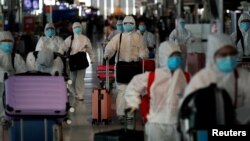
125	71
77	61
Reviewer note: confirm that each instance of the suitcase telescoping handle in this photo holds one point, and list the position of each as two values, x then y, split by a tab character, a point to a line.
107	75
126	119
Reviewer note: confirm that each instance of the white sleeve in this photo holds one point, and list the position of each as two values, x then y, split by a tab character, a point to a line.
172	35
89	50
20	65
151	40
30	62
135	88
57	66
62	46
39	44
112	46
143	50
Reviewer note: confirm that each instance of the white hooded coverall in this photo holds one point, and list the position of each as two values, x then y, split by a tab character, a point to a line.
164	96
44	62
132	48
246	37
183	37
6	64
80	43
211	74
55	43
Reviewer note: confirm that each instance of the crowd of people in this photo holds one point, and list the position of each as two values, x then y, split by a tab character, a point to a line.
130	41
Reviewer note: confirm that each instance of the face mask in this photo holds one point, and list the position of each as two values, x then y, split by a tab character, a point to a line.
142	28
50	32
77	30
6	47
244	26
182	24
226	64
128	27
174	63
119	28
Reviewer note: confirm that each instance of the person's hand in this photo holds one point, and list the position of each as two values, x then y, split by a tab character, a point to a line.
132	110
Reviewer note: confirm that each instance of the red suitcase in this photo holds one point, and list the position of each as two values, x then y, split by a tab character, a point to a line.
148	65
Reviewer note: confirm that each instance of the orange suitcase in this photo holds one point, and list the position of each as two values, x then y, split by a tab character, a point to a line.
101	106
101	102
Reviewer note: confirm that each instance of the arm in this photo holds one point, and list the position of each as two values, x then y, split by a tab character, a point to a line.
172	36
57	66
62	46
30	62
151	40
89	50
20	66
135	88
143	50
39	44
112	46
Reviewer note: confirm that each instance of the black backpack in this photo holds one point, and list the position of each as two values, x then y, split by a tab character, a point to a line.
207	108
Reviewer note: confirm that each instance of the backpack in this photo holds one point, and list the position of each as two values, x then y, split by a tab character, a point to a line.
207	108
145	100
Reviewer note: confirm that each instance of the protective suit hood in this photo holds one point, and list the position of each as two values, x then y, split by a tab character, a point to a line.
243	16
215	42
129	19
48	25
165	50
6	35
76	24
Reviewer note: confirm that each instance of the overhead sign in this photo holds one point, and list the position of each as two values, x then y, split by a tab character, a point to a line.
29	5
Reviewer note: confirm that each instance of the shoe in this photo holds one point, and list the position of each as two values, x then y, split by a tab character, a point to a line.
79	98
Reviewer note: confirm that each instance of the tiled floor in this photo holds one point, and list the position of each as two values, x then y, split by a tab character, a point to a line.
81	128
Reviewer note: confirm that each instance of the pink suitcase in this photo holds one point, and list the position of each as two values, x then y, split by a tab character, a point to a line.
101	106
36	96
101	101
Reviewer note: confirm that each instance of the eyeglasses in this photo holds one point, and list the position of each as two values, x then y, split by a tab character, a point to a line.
50	28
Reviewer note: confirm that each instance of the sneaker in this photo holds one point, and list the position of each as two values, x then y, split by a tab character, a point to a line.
79	98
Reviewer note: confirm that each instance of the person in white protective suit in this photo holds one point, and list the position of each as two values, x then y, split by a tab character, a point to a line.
220	68
46	62
241	36
148	38
80	43
119	29
168	84
132	48
183	37
7	57
50	40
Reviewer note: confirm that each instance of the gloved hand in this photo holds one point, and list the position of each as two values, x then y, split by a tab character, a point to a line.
132	110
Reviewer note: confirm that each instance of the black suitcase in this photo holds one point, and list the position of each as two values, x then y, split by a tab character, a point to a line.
121	134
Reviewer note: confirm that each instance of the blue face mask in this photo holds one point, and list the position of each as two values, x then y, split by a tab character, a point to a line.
142	28
174	63
50	32
128	27
6	47
119	28
245	26
77	30
226	64
182	24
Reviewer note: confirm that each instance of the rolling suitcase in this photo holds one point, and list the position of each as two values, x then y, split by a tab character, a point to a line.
123	134
101	102
35	96
34	130
148	65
